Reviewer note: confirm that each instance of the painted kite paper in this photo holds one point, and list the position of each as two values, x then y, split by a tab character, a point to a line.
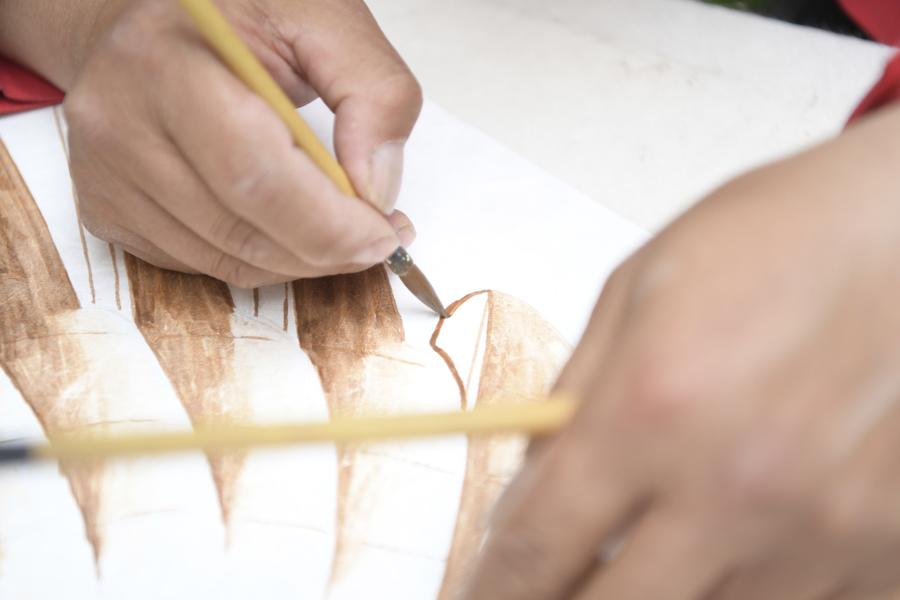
94	339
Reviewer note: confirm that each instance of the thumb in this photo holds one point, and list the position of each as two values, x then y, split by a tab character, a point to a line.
375	97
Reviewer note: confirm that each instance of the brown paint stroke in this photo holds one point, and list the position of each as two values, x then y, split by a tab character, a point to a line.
186	320
284	308
84	248
115	266
40	357
340	320
523	354
443	353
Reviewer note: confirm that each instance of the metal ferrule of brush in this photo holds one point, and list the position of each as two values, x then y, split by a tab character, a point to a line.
400	262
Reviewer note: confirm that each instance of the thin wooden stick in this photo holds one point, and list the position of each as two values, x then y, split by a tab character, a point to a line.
532	418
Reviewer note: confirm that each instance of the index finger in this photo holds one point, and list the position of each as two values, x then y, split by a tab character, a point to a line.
549	531
550	525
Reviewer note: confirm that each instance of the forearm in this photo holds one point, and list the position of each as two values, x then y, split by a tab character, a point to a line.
51	37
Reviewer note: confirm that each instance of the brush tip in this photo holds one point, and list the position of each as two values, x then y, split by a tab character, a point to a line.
416	282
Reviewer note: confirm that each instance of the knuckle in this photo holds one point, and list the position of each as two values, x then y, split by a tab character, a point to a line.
239	238
401	92
86	120
662	387
252	183
134	39
659	269
233	272
131	44
318	258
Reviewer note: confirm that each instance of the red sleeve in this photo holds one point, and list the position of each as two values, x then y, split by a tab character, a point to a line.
881	20
22	90
887	90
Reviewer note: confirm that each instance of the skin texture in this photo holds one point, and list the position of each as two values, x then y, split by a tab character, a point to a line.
175	160
740	423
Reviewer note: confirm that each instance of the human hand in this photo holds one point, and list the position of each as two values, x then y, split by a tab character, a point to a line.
739	432
174	159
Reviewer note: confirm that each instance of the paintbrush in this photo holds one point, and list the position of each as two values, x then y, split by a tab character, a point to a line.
532	418
222	38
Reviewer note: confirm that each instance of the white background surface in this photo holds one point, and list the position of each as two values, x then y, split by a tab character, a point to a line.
644	105
485	225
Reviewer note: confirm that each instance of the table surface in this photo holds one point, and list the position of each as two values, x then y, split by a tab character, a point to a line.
644	105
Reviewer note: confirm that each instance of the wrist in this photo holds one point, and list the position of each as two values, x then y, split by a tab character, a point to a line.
53	38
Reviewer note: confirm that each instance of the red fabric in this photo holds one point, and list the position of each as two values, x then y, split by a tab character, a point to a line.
887	90
22	90
881	20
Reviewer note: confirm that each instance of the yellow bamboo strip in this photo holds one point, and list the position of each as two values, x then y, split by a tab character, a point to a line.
532	418
219	34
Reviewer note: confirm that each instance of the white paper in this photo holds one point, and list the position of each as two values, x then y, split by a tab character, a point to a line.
486	219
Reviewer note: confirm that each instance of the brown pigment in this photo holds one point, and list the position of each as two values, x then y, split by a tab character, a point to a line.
42	358
186	320
464	399
340	320
57	119
115	265
522	356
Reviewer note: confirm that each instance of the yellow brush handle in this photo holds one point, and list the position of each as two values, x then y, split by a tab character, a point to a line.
534	418
234	52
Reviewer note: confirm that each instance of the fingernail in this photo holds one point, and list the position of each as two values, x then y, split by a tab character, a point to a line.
386	171
378	250
407	234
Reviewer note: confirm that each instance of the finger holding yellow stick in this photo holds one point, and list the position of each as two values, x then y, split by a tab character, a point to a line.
222	38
